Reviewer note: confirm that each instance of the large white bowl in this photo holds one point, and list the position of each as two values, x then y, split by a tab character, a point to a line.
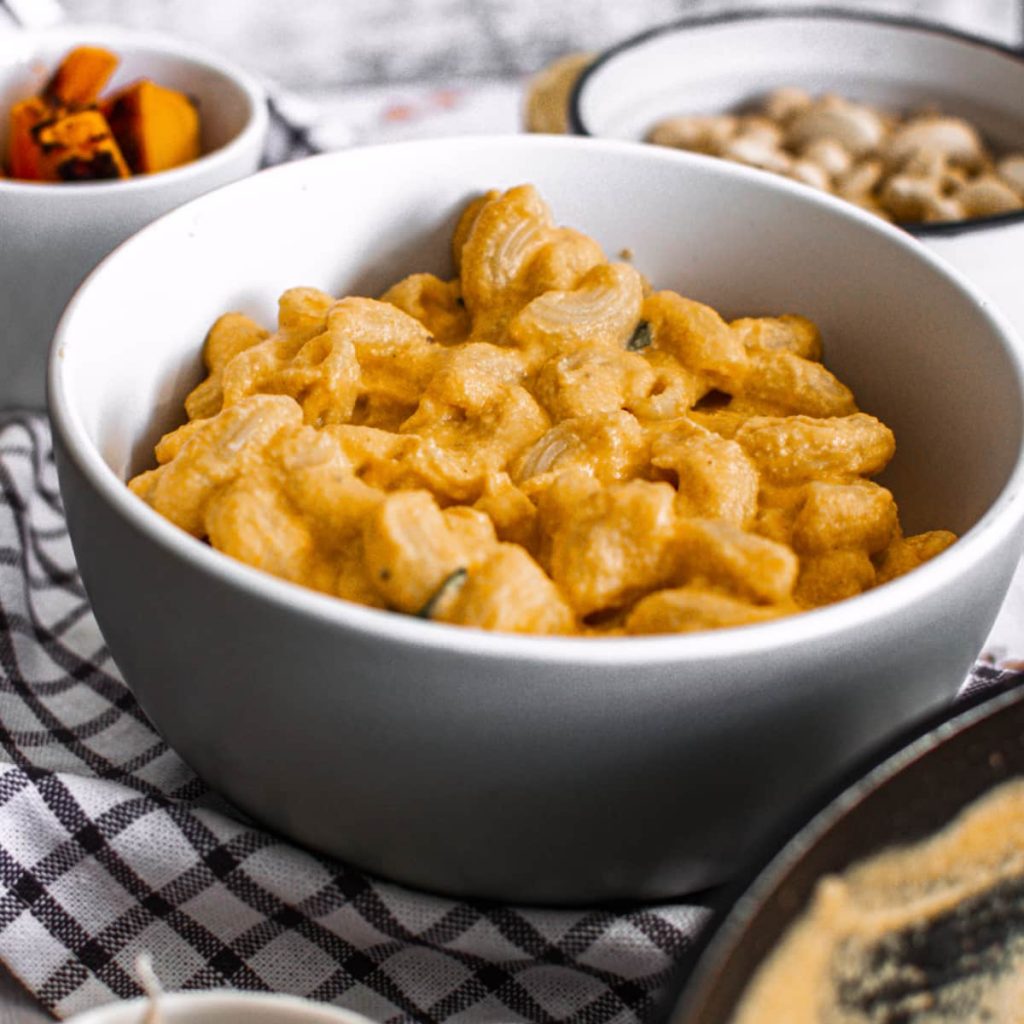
52	235
531	768
710	64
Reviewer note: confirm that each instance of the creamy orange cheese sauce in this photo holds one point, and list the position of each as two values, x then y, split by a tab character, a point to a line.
542	444
932	933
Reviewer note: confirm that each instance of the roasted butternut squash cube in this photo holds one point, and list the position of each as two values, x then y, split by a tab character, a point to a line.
157	128
79	147
81	76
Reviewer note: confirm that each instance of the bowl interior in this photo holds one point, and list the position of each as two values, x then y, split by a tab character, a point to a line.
726	63
27	59
918	348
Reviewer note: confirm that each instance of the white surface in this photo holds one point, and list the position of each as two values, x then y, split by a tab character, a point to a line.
397	113
324	43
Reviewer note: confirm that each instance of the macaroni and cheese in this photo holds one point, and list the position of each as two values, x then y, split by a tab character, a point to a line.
542	444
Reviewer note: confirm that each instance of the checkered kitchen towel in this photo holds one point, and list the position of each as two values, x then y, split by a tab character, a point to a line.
109	846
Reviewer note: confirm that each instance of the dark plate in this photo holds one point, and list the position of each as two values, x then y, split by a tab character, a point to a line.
908	796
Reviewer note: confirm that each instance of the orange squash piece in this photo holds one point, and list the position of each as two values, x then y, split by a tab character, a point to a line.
79	147
81	76
157	128
67	133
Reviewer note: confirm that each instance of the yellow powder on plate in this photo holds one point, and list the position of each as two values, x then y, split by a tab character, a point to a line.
931	933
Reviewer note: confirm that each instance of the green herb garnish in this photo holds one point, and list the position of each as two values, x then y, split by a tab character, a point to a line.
641	337
449	585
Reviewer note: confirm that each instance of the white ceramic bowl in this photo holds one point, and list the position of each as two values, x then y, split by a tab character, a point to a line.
220	1007
533	768
705	65
52	235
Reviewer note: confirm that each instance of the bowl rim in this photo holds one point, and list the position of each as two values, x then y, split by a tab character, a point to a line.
998	523
251	134
291	1007
578	125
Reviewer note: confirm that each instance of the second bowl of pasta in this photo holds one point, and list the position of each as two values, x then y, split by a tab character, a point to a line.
469	446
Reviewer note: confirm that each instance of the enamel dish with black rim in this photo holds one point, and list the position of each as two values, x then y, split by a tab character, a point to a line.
714	64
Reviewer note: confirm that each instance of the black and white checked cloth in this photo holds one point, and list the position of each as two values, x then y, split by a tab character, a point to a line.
109	846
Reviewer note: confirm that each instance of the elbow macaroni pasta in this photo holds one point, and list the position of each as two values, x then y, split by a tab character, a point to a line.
542	444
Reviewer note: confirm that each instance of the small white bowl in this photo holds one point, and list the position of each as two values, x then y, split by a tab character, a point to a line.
538	769
717	63
52	235
220	1007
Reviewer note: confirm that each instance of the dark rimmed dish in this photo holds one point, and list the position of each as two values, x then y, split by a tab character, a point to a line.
917	785
720	62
